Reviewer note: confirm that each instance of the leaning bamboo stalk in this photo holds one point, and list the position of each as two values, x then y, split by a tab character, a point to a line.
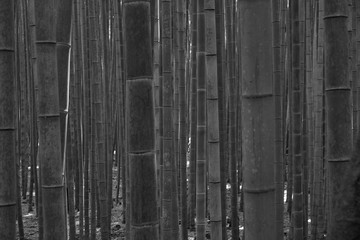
63	29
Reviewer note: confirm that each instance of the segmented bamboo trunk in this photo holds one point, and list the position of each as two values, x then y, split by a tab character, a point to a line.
118	101
201	141
338	111
168	133
71	159
213	134
220	48
258	119
353	70
80	70
94	157
7	122
157	94
84	13
123	114
33	125
97	124
63	29
20	86
315	190
322	218
296	119
21	143
277	82
144	222
51	164
288	102
232	105
308	107
35	88
105	52
193	117
357	39
22	76
182	119
176	122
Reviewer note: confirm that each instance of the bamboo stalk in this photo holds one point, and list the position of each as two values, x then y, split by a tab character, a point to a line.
144	221
7	123
258	118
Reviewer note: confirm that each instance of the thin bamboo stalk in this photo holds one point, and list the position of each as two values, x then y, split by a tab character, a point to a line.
167	124
182	119
296	109
193	117
220	38
277	81
201	142
213	134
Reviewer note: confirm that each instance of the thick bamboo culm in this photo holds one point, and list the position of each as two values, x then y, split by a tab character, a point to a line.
50	157
7	122
144	221
338	111
258	129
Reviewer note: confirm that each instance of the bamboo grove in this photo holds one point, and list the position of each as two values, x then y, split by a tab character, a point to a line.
175	119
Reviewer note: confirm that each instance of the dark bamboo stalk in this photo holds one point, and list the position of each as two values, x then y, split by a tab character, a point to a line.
144	221
258	118
51	164
338	110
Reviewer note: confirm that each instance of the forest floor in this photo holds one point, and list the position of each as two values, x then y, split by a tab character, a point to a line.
31	230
